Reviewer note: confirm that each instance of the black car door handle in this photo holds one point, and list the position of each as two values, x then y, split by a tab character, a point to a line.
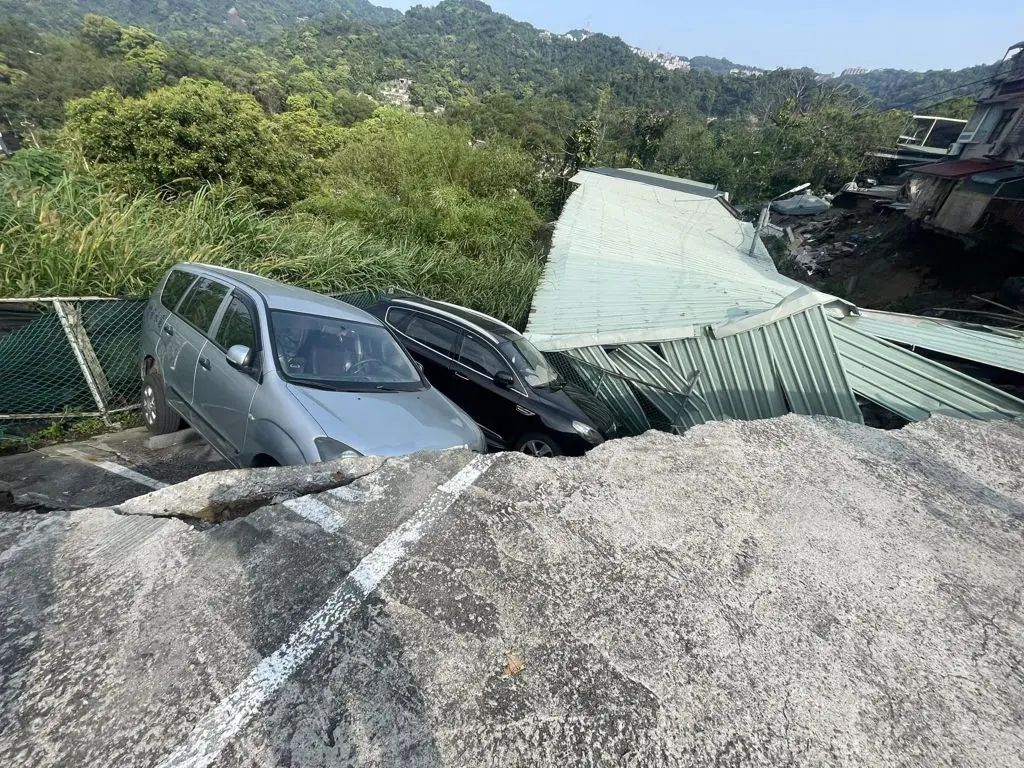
204	362
168	330
462	376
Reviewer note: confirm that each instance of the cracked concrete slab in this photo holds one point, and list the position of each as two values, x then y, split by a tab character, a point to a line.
797	591
50	478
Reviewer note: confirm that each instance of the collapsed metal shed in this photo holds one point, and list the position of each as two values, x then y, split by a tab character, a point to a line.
667	306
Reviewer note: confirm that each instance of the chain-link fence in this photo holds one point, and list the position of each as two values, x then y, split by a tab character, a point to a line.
66	357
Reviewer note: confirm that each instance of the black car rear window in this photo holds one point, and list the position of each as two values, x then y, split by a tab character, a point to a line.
174	288
201	305
397	318
433	334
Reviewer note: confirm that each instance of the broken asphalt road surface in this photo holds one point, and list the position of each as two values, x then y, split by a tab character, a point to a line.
796	591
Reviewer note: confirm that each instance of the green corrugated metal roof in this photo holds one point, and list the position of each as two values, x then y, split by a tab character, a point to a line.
809	366
735	377
913	386
655	287
670	387
632	262
991	346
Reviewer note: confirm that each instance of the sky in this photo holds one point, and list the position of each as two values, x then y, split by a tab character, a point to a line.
828	35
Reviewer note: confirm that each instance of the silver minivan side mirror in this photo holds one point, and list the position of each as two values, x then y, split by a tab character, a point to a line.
240	356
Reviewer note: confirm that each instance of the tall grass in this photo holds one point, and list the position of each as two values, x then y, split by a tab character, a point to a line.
74	237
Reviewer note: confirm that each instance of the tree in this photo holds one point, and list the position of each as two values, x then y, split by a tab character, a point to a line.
101	32
199	132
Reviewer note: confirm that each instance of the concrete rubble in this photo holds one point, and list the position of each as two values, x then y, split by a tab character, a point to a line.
797	591
220	496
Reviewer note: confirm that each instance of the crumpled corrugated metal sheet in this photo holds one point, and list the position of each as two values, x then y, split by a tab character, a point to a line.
913	386
982	344
614	391
788	366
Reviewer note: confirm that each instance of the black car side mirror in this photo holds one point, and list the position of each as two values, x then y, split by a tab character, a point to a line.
504	380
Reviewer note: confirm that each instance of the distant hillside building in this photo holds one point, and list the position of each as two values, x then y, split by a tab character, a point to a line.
669	61
397	93
854	71
236	21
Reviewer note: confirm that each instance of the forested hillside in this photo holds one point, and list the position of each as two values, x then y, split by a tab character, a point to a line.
363	150
916	90
197	17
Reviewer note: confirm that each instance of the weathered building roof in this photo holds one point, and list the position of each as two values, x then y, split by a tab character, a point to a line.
955	169
699	188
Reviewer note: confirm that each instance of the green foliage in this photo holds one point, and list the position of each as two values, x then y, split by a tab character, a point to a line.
49	71
210	18
824	146
34	166
406	177
199	132
76	237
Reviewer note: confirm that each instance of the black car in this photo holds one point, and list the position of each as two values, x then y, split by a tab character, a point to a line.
498	377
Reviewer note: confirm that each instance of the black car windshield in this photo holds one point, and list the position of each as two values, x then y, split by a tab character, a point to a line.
350	356
529	362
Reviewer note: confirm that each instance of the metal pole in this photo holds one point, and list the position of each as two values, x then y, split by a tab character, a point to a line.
70	320
761	221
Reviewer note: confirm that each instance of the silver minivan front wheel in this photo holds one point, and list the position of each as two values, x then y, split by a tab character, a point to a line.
160	418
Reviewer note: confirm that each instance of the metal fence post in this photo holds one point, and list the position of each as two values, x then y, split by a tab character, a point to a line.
71	320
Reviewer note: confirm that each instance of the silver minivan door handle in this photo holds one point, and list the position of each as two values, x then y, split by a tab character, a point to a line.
168	330
462	376
204	362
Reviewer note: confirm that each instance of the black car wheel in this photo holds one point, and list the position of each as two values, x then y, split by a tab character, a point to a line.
160	417
542	446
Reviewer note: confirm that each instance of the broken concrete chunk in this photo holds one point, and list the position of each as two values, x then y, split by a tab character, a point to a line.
234	493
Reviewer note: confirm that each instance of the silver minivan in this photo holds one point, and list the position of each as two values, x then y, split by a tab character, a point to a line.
273	375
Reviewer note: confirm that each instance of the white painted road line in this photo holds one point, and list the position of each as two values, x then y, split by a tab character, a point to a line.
348	494
328	518
219	726
117	469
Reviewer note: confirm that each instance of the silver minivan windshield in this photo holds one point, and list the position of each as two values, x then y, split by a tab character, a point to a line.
340	355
